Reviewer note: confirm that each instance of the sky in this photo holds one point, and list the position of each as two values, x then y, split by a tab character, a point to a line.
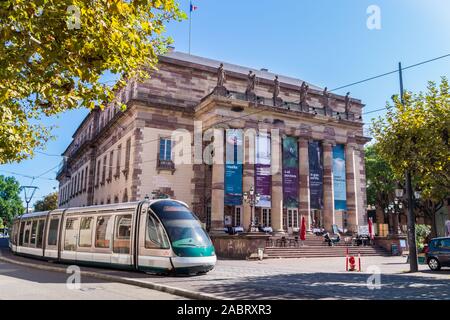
325	42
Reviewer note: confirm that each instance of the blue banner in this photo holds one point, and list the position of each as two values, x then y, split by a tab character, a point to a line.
339	181
233	167
315	175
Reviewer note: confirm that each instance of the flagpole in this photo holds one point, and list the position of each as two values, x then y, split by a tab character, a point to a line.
190	24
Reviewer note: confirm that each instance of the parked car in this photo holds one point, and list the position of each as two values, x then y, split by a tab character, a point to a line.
438	253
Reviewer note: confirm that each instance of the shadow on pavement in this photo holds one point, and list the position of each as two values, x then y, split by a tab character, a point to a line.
332	285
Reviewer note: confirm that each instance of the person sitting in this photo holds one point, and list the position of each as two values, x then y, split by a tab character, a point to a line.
336	239
327	239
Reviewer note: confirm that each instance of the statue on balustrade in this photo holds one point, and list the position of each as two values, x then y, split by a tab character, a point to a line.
277	101
326	101
347	105
250	91
304	96
221	79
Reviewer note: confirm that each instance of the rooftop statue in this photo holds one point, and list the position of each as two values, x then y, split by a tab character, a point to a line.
221	78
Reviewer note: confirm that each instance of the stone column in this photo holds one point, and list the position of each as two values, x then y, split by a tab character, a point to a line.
248	181
304	208
328	205
217	184
350	163
277	182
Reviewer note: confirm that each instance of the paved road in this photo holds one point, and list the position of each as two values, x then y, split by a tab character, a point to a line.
17	282
317	278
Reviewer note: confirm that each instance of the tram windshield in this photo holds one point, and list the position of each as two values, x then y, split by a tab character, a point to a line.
183	228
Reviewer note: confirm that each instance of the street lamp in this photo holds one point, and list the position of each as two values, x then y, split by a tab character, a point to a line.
252	198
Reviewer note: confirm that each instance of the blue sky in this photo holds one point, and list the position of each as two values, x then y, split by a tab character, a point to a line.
325	42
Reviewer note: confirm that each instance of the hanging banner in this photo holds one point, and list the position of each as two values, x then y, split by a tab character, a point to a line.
290	173
233	167
339	186
315	175
263	177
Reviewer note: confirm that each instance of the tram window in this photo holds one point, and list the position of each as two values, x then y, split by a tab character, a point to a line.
53	232
155	237
40	233
22	227
85	239
103	232
26	239
14	233
33	233
70	237
122	234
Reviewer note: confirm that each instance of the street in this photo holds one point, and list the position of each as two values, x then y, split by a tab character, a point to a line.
23	283
314	278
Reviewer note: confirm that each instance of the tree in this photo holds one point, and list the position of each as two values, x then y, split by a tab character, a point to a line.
54	52
50	202
414	136
10	202
381	182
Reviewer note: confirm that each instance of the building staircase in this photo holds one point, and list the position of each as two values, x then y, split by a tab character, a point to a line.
315	247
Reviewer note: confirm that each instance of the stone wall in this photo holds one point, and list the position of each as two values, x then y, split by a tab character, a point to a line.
238	246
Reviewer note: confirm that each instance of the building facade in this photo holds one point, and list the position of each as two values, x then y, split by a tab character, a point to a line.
302	148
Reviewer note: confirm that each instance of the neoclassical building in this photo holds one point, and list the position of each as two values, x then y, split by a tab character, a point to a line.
302	147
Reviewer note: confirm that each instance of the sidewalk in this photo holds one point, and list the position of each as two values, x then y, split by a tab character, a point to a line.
322	278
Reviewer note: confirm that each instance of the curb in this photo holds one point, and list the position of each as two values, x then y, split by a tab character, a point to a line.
148	285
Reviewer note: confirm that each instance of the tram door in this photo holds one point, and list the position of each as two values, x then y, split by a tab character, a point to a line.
292	220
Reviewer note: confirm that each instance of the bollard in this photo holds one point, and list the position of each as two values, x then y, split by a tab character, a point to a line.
359	261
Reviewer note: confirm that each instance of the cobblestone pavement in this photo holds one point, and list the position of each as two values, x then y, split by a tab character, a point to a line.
21	283
316	278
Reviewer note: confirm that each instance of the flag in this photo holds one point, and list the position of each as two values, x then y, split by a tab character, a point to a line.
193	8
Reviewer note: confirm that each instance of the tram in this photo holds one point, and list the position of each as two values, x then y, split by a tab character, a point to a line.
159	236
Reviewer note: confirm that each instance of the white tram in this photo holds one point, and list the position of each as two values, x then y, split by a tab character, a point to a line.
160	236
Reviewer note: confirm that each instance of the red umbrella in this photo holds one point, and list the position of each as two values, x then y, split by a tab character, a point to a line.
303	230
371	229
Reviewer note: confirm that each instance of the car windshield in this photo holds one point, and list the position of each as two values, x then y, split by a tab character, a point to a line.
183	228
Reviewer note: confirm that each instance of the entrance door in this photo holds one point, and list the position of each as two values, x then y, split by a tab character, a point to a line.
292	220
267	217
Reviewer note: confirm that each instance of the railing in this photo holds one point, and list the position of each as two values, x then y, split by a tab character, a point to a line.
165	165
295	107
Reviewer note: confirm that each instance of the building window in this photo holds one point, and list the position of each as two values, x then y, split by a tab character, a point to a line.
82	181
104	171
85	178
165	155
165	149
119	154
208	218
110	169
97	175
267	217
127	158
